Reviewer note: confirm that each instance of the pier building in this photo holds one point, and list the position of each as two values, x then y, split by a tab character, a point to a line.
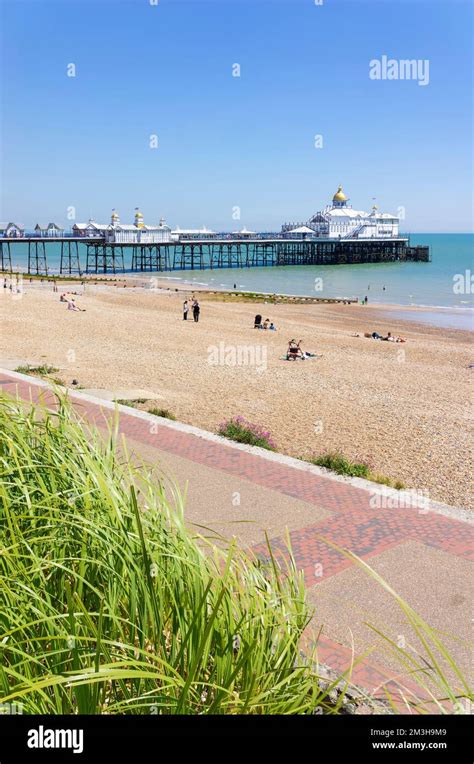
49	230
191	233
340	220
12	230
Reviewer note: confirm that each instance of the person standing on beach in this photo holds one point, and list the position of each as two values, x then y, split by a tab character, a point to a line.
196	311
185	310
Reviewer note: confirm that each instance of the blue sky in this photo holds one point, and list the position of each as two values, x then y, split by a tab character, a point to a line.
224	141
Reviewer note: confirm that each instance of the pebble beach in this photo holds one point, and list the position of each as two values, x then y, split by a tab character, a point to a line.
402	408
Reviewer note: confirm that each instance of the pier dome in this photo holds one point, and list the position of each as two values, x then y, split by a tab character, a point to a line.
138	218
114	217
339	196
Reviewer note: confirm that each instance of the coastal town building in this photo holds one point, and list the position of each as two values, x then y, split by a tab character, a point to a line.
340	221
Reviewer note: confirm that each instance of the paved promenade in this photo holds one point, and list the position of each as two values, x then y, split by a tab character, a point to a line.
424	552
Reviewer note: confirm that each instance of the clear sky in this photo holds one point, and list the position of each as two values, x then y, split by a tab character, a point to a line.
226	141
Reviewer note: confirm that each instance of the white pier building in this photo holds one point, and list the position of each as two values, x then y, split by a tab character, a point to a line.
116	232
340	221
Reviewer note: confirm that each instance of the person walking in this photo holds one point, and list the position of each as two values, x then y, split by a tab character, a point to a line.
196	311
185	310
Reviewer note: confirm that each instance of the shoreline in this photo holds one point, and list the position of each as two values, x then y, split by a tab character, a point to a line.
187	288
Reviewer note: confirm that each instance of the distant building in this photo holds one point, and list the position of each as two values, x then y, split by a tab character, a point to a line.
191	233
12	230
340	221
50	230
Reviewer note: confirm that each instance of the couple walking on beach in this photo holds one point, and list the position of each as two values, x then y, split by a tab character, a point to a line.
196	308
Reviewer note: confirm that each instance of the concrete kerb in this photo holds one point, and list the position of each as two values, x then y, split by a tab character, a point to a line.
455	513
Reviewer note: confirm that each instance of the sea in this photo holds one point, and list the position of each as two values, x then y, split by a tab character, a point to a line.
443	288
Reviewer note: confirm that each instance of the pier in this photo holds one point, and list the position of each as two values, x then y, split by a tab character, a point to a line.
220	251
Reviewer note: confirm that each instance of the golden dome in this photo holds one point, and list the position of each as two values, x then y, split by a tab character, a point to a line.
339	196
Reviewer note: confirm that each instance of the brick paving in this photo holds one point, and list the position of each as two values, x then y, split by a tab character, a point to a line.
353	524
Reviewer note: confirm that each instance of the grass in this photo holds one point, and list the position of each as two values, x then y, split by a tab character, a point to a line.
40	371
137	402
239	429
134	403
110	605
337	462
165	413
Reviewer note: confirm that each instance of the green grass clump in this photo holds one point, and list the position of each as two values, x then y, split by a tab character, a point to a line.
132	402
335	461
338	463
109	605
40	371
165	413
399	485
239	429
381	479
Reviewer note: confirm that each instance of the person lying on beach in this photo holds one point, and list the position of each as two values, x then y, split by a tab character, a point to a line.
266	323
388	338
306	353
391	338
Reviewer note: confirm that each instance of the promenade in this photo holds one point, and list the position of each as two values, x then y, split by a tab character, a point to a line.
423	552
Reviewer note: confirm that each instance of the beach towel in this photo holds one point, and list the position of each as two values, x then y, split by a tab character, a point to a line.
308	358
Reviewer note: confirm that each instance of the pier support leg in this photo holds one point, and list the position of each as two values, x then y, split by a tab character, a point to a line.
5	257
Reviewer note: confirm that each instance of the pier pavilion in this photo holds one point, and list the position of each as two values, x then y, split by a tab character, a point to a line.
340	221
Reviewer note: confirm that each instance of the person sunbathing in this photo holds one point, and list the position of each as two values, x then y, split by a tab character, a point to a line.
391	338
294	351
